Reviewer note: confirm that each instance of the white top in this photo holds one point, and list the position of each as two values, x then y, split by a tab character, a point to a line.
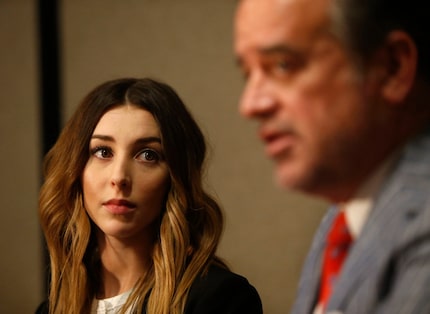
110	305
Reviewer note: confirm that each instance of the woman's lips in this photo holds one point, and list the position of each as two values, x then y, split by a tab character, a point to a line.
119	206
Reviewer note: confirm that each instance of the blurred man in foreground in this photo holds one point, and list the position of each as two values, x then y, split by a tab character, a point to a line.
341	91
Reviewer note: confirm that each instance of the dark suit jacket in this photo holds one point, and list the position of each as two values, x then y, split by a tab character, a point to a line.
218	292
388	267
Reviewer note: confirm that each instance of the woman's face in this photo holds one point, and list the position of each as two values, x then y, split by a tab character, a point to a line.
126	178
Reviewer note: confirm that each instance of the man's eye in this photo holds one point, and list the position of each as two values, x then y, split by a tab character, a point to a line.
282	67
287	66
245	73
149	155
101	152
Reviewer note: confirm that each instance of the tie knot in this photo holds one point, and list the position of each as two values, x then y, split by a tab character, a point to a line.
339	233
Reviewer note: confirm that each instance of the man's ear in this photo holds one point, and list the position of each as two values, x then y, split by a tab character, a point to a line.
402	55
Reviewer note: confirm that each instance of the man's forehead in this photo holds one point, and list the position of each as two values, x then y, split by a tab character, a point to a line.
263	24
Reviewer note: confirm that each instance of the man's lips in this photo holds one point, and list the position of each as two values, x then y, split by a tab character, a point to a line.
277	142
119	206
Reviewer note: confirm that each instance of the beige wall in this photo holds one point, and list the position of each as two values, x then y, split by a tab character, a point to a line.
187	44
20	241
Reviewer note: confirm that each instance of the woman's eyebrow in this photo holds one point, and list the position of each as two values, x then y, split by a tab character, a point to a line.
142	140
149	139
102	137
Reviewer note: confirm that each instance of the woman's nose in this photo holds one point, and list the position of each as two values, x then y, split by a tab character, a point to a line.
120	177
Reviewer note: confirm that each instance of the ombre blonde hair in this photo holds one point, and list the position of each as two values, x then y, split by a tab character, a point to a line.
190	225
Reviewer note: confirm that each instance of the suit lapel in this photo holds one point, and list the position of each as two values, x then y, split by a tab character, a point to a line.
309	281
392	222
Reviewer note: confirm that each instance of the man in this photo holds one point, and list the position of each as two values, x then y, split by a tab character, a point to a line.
341	91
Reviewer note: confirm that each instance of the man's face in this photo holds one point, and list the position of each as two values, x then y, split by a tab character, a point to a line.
316	111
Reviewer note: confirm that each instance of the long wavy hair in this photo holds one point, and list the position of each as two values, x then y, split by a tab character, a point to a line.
190	225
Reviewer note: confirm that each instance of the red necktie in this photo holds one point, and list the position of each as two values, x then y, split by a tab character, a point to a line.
338	243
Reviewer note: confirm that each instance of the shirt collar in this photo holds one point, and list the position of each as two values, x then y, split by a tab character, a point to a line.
358	208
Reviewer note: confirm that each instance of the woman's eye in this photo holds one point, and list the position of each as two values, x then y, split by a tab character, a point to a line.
101	152
149	155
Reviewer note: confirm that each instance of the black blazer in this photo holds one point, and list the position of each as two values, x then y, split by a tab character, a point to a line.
220	291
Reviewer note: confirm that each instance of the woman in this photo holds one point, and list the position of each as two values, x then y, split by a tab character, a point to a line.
127	222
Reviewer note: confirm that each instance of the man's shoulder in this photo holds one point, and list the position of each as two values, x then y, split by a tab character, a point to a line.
417	152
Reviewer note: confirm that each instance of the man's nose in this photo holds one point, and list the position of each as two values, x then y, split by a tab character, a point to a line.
257	101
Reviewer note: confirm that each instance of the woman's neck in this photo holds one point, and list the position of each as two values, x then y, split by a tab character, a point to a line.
122	264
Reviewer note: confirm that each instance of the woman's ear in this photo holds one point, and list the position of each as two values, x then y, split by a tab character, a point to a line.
402	54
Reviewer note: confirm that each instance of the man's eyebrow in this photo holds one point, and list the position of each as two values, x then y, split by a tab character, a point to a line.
278	49
273	50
